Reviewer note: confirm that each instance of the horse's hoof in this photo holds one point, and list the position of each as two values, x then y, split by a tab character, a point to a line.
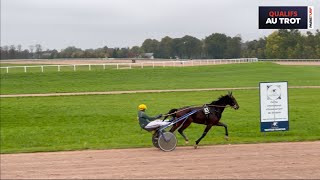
187	142
195	146
226	138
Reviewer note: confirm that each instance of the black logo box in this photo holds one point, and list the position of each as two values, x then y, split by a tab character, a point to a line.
274	13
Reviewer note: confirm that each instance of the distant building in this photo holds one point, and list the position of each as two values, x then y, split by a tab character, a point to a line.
46	55
148	55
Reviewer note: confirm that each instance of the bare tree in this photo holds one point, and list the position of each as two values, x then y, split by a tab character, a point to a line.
31	47
4	52
12	52
19	47
38	50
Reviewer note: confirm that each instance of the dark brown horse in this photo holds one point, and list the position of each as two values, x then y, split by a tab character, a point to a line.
209	115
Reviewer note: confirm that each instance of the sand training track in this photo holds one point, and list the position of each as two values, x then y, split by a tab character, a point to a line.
299	160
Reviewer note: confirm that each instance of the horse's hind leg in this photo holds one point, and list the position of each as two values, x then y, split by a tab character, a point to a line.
184	126
203	135
226	128
175	127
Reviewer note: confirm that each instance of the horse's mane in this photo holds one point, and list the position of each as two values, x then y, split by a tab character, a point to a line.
219	100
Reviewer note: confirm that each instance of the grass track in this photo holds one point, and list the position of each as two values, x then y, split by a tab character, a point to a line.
33	124
30	124
216	76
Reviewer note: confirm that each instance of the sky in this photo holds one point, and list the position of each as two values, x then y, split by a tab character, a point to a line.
57	24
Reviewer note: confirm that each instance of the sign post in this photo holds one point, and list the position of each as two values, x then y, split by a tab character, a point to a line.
274	110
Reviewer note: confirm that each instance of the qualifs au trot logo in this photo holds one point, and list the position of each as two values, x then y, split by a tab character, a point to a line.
286	17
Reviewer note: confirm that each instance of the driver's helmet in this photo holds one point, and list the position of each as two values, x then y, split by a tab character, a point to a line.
142	107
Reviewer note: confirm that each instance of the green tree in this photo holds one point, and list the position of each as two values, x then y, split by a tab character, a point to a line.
123	53
165	48
70	52
177	48
90	53
134	52
310	46
255	48
317	40
115	52
273	49
233	47
191	47
150	45
215	45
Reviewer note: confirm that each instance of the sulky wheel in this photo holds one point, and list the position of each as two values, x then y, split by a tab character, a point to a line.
167	141
155	138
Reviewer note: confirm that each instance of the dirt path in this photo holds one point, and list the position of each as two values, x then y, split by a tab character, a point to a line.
299	160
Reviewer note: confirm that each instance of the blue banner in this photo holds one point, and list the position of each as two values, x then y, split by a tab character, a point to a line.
274	126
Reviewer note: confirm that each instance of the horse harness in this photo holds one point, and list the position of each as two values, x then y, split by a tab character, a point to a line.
207	112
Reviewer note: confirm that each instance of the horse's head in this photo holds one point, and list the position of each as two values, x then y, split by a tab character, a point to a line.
232	101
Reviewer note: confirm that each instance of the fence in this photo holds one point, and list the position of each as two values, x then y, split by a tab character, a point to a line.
291	60
142	64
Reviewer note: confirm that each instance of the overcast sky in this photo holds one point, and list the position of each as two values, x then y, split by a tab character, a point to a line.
57	24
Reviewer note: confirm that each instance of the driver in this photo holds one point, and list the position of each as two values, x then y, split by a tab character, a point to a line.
149	123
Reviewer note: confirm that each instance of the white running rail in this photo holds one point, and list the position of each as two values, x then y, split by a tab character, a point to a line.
143	64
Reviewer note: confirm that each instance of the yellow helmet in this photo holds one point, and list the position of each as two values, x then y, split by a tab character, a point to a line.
142	107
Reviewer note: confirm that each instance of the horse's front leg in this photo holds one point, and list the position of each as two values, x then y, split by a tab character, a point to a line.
226	128
203	135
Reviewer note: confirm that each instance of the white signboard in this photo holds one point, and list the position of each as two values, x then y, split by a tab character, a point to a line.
274	115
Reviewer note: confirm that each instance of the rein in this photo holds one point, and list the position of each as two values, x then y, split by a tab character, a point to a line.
195	107
219	106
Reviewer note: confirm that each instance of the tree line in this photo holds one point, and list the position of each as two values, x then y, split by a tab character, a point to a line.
284	44
291	44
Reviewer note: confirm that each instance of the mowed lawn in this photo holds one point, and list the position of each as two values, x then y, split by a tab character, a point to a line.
215	76
33	124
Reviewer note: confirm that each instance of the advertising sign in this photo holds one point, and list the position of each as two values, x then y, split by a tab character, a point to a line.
274	114
286	17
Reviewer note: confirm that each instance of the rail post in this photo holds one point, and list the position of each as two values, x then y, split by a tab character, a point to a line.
25	68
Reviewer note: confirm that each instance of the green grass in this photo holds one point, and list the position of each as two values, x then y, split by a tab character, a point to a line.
33	124
231	75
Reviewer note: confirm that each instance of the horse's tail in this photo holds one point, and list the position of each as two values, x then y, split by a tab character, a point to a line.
172	113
